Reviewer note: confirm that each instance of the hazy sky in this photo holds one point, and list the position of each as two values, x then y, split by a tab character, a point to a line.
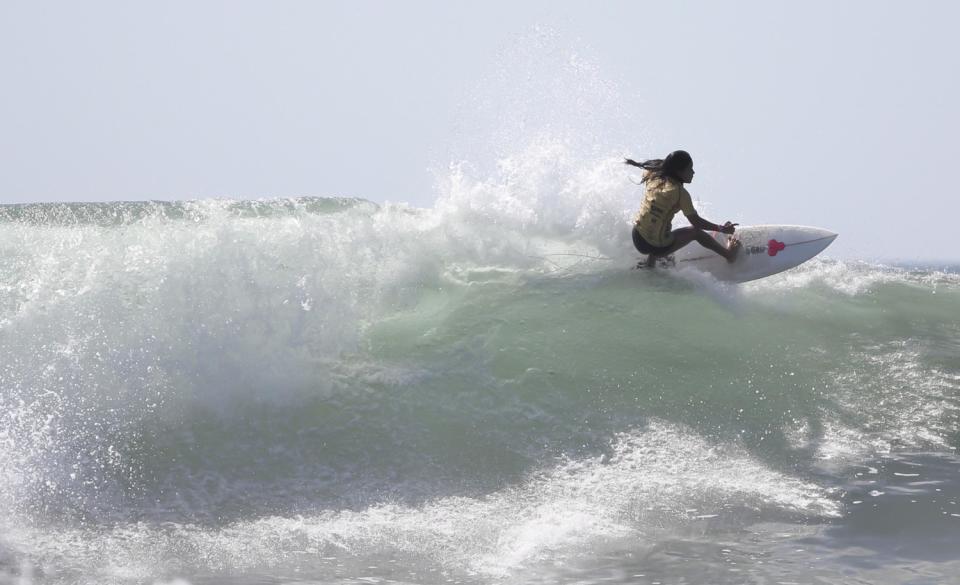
836	114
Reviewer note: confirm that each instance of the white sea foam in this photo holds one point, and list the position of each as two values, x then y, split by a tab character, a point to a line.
651	479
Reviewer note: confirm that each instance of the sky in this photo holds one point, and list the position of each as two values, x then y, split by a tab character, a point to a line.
835	114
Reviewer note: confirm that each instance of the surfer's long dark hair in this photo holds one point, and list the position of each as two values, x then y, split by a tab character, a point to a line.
662	168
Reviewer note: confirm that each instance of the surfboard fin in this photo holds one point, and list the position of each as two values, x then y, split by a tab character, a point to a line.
661	262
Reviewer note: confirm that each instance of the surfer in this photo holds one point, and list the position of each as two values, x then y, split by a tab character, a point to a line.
664	195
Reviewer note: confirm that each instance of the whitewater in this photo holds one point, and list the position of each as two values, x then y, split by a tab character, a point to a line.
329	390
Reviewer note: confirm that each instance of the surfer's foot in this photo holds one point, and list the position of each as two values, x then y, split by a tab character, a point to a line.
733	248
651	261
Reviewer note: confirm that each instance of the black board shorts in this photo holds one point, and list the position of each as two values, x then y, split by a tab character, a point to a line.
645	247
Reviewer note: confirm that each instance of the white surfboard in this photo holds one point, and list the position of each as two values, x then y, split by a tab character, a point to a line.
766	250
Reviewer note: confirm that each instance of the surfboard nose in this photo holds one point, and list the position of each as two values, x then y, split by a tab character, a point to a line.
810	234
824	233
818	238
828	236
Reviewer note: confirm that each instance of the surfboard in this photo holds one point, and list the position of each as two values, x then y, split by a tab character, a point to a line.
765	250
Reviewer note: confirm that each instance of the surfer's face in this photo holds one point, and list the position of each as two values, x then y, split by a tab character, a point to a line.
687	174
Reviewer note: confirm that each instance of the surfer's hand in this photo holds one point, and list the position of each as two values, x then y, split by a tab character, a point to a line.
729	228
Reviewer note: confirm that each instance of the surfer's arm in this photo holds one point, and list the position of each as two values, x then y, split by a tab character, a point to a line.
702	224
685	203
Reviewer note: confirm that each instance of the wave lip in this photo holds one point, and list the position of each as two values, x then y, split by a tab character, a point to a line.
122	213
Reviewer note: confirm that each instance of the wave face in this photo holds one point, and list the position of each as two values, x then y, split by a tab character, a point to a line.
482	391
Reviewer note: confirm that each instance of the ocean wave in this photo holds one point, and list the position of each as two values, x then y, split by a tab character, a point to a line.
272	373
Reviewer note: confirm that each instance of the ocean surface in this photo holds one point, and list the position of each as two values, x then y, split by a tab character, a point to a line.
323	390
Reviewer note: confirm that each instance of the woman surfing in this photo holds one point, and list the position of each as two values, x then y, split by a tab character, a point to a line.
664	195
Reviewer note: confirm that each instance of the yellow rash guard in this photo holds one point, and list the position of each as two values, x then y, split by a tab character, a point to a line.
661	201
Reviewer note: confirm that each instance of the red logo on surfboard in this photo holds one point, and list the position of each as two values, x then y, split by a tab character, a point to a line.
774	246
